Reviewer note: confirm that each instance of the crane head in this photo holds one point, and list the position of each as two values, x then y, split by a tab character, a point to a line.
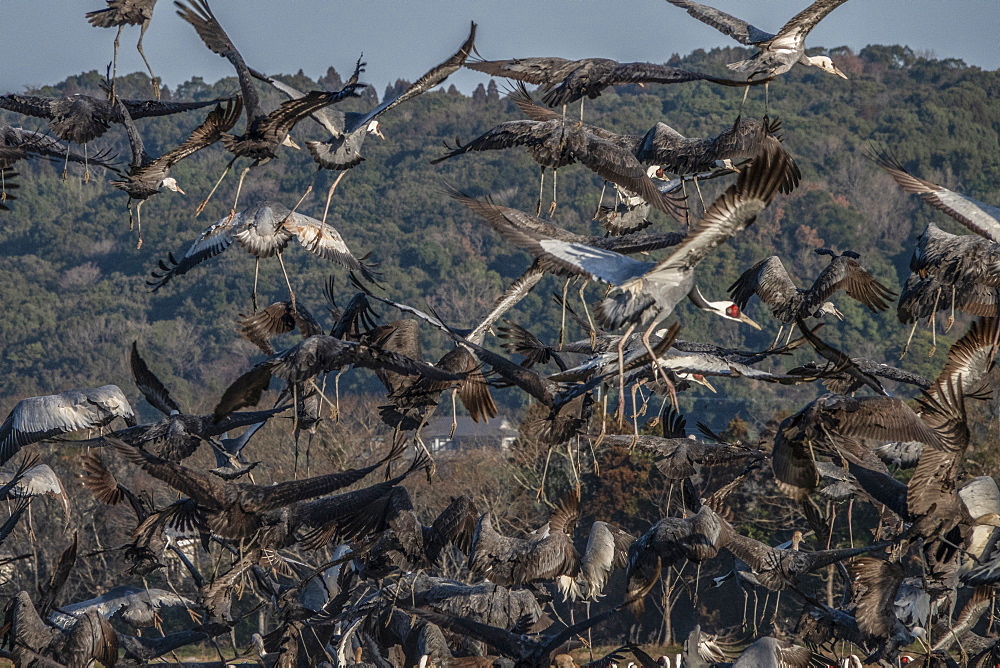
170	183
824	63
375	128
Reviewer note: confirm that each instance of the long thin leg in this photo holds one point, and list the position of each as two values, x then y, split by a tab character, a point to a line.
600	200
700	196
329	194
65	174
291	293
204	202
541	188
138	222
951	317
581	109
908	339
114	61
562	326
778	337
656	363
590	321
152	77
86	179
239	188
620	412
454	412
767	96
256	271
746	91
933	323
555	179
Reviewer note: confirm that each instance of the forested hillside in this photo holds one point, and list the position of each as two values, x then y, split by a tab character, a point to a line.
73	289
74	293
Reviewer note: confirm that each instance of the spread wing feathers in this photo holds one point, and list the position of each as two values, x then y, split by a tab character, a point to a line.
7	184
520	341
455	525
49	591
740	30
794	468
12	480
152	389
776	568
473	391
280	122
564	516
207	490
325	241
16	511
557	142
278	318
732	212
218	122
983	219
323	354
931	490
876	582
799	25
429	80
104	485
214	240
607	550
840	360
401	337
200	16
768	280
844	273
38	418
970	359
245	391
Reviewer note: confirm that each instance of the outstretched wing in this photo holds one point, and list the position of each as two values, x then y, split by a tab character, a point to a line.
768	280
209	243
155	392
220	121
740	30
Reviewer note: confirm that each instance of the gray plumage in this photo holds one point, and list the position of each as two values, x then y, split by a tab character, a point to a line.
38	418
778	52
138	605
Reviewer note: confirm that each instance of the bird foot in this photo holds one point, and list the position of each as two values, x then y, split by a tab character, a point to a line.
652	423
65	175
86	179
156	88
949	323
232	214
933	349
201	207
138	244
552	208
904	351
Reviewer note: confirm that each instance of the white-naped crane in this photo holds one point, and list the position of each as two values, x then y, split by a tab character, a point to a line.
121	13
768	280
779	52
264	133
348	130
565	81
263	230
83	118
38	418
147	176
649	291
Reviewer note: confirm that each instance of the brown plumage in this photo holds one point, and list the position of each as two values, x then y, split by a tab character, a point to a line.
278	318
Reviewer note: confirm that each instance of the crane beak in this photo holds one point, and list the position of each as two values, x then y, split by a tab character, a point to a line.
289	142
379	133
837	71
744	318
701	380
180	191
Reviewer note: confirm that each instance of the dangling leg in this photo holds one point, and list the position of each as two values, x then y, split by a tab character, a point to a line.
590	321
152	77
138	222
454	412
552	206
908	339
933	323
700	196
581	109
65	173
114	61
291	294
600	201
562	326
256	270
86	165
201	207
620	412
951	317
746	91
778	337
766	98
656	363
329	194
239	188
131	218
541	188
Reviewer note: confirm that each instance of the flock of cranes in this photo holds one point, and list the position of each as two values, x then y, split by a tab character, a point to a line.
921	590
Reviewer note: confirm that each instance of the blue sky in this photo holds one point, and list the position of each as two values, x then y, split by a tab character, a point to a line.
46	40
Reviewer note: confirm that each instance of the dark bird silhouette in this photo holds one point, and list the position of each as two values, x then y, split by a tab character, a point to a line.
146	175
564	81
264	132
121	13
348	130
768	280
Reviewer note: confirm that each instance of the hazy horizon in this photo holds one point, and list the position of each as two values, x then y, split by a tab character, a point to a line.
307	35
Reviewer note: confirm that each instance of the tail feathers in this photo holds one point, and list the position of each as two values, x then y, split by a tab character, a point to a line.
622	308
